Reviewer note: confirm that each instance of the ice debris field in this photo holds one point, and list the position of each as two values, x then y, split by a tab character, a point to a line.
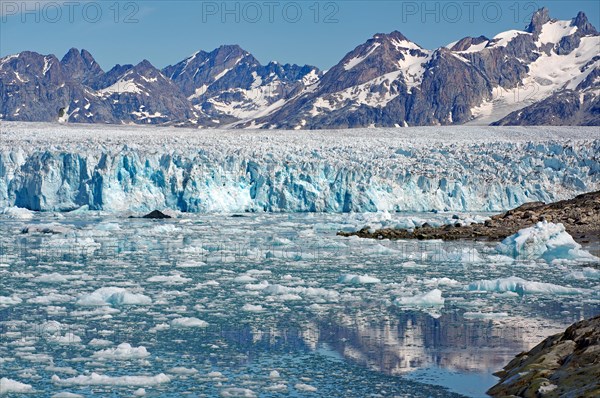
271	302
96	304
138	169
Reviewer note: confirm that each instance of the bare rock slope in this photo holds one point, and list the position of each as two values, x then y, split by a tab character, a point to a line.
564	365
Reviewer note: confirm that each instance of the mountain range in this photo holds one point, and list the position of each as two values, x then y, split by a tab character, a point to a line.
547	74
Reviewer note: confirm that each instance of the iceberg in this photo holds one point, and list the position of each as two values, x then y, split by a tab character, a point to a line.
358	279
521	286
8	386
114	296
431	298
188	323
96	379
119	169
17	213
544	240
10	300
123	351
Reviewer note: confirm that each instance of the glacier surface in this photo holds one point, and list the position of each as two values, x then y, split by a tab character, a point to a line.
49	167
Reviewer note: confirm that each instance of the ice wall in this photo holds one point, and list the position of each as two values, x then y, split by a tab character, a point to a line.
262	171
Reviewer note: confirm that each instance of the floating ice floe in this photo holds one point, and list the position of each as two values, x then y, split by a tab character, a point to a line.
180	370
96	379
253	308
169	279
544	240
188	323
358	279
114	296
305	387
18	213
236	392
521	286
10	300
51	228
244	279
55	277
585	273
297	293
66	339
274	375
99	343
8	386
122	352
66	394
444	281
50	298
278	387
432	298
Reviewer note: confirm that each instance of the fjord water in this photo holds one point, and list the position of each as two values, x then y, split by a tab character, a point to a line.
264	304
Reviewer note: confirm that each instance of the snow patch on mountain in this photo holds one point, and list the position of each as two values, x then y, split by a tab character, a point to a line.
554	31
357	60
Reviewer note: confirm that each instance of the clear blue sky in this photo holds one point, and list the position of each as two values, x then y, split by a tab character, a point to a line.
317	33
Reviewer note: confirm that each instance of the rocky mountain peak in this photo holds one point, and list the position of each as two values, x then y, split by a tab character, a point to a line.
465	43
584	26
80	65
395	35
72	54
145	67
539	18
229	55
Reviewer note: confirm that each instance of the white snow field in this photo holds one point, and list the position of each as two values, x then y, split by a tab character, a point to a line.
130	168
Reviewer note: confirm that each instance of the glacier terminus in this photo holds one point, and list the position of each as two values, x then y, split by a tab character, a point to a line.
51	167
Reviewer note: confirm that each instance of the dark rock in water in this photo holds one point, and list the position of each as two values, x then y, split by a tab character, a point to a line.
580	216
157	215
455	217
565	364
237	216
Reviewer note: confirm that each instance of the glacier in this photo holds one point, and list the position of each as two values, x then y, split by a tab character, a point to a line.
53	167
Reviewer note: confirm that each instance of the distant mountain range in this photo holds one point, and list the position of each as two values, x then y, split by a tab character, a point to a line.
548	74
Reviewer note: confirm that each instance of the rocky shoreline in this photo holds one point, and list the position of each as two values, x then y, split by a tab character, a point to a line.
564	365
580	216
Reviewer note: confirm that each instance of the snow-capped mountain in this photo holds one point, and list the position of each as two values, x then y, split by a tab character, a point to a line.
229	84
142	94
376	75
391	81
35	87
545	74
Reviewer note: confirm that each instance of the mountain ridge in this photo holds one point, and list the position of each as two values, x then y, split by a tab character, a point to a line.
527	77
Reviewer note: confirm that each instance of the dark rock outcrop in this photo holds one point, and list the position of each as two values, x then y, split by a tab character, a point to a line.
564	365
539	18
580	216
156	214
